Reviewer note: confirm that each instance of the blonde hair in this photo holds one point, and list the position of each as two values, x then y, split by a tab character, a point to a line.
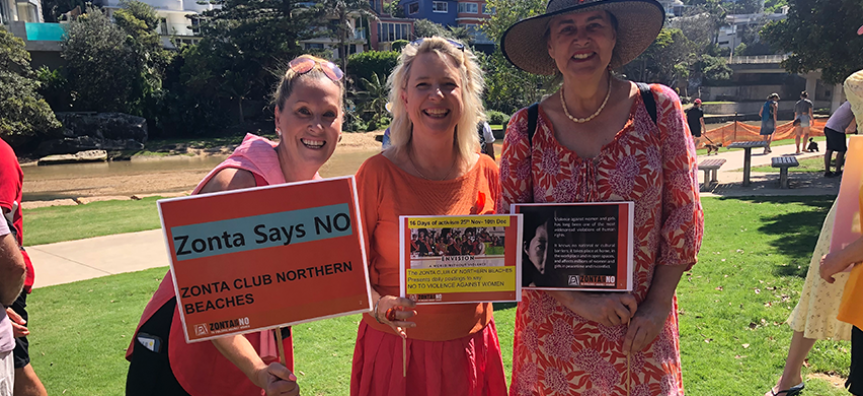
286	84
472	84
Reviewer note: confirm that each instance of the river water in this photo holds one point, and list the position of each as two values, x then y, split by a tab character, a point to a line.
146	175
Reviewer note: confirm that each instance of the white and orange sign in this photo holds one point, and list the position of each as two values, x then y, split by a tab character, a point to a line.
267	257
460	259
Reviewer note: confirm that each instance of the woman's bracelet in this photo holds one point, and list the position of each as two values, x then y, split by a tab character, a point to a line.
376	311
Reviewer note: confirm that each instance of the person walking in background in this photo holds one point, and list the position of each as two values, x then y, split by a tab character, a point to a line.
695	119
803	118
486	139
768	119
27	383
839	124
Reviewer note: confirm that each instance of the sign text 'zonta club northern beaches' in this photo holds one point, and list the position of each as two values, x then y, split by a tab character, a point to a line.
261	258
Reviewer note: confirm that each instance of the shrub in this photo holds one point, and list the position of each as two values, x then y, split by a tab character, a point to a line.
364	64
496	117
399	44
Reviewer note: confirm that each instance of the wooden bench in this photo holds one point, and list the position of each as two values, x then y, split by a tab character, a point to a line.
710	167
783	163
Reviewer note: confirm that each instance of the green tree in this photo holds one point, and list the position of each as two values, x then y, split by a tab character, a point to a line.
665	61
427	28
24	115
712	69
509	88
365	64
819	34
102	68
245	48
376	97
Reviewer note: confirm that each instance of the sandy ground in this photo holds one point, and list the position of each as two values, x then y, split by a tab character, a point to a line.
59	186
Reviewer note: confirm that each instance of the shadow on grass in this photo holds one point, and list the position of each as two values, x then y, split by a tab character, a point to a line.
504	306
796	232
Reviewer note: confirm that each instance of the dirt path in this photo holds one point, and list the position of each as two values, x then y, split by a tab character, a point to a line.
166	174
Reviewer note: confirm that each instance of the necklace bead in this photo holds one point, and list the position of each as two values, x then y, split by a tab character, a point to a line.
592	116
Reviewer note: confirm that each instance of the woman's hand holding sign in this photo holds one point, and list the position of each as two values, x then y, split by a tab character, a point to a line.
394	311
278	381
607	309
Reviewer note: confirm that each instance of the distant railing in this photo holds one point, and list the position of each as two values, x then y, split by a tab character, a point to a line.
758	59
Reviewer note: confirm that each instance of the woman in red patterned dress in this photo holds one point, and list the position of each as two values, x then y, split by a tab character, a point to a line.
596	140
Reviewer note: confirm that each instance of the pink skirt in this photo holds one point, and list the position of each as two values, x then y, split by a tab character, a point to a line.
467	366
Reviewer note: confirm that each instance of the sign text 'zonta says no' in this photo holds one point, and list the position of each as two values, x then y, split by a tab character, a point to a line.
259	232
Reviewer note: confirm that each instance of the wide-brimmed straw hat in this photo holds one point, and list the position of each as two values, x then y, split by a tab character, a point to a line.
638	24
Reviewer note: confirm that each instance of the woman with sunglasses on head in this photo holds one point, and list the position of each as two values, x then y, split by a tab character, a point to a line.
432	168
308	121
602	139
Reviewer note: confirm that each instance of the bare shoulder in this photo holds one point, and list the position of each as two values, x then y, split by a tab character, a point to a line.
229	179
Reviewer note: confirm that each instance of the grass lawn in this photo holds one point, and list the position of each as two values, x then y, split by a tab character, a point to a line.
775	143
733	304
66	223
806	165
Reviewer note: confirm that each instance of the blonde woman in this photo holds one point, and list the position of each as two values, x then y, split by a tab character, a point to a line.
432	168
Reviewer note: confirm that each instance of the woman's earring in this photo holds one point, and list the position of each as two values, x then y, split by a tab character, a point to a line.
278	132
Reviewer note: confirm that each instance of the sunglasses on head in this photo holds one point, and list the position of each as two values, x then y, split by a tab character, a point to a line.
305	65
454	43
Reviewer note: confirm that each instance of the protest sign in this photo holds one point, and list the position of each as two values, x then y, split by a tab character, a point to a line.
846	227
267	257
460	259
577	246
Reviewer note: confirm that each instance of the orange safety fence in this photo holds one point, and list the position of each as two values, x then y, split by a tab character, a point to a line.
739	132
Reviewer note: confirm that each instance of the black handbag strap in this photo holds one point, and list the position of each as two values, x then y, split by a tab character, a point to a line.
532	115
648	99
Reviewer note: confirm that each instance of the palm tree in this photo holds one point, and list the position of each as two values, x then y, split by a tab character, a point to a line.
342	11
376	96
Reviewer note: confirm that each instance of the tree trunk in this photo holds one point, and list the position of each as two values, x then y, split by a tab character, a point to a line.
241	119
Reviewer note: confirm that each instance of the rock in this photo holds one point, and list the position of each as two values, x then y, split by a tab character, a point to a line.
86	200
44	204
105	131
81	156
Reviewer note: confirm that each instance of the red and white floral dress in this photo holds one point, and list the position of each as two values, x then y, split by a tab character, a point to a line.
556	351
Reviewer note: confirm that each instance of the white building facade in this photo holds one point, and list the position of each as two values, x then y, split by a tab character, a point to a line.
177	19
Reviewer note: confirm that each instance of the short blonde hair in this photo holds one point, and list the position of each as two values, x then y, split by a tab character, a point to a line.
286	84
472	85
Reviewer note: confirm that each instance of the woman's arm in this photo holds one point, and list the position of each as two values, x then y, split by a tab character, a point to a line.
775	112
836	262
682	224
275	379
369	190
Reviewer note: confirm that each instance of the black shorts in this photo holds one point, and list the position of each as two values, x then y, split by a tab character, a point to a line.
836	141
21	354
855	377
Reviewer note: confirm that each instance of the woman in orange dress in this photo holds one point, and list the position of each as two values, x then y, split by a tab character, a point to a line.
602	139
432	168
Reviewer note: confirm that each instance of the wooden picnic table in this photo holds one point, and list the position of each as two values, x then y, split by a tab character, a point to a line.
747	156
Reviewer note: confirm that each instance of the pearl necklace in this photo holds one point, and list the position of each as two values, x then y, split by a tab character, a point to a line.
583	120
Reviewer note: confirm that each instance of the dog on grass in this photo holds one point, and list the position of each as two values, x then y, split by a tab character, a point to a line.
713	148
813	146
